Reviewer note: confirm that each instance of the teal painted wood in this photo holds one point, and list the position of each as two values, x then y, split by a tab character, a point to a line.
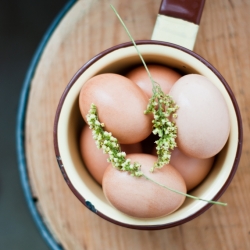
20	132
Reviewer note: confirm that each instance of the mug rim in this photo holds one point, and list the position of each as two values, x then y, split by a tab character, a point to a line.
87	203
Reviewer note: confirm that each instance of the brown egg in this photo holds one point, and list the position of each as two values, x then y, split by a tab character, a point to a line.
138	197
203	119
95	160
120	105
193	170
163	75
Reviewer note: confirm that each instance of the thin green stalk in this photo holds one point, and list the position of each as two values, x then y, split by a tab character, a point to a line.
181	193
133	41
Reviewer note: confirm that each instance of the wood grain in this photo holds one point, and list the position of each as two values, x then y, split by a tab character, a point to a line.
88	28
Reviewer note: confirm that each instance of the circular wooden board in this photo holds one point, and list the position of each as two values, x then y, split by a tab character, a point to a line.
88	28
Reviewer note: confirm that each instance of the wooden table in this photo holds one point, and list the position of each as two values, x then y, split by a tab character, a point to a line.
88	28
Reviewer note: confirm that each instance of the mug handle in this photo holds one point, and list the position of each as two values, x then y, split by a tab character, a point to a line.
178	22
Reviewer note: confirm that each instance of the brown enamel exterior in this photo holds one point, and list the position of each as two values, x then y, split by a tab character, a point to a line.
188	10
240	134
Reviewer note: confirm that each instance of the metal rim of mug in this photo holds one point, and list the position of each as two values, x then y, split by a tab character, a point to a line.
230	93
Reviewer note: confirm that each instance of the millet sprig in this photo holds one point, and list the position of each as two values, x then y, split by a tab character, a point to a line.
110	145
162	107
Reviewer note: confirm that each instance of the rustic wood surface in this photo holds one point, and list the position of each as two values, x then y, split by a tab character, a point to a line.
88	28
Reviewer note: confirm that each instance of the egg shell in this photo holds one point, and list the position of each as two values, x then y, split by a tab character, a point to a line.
138	197
94	159
163	75
193	170
203	119
120	106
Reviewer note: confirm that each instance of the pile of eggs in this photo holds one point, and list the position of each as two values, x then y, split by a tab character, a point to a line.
203	129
